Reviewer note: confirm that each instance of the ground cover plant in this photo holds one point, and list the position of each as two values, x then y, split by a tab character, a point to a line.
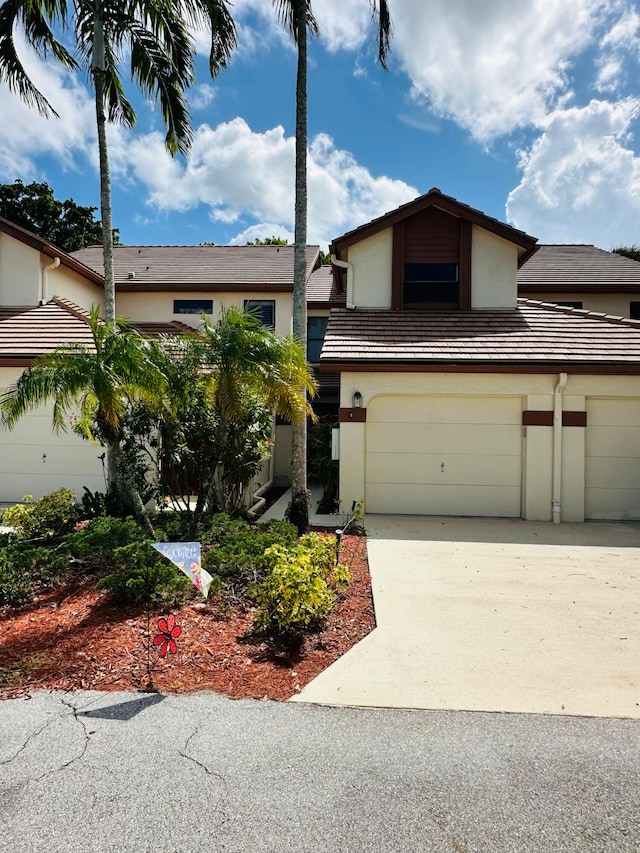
73	606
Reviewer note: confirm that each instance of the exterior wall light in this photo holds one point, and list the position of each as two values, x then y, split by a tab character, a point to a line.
357	400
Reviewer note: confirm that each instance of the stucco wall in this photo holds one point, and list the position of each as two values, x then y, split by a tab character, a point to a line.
494	263
621	448
158	307
369	284
605	303
20	275
68	284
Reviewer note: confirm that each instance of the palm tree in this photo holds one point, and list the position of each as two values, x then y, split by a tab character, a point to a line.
297	15
249	365
156	35
102	382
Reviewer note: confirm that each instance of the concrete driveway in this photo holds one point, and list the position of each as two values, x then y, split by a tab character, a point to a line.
496	615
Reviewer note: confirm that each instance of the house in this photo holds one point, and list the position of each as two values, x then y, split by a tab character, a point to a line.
582	277
45	297
459	398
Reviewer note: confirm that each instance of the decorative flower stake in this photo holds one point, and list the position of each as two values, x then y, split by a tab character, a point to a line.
169	633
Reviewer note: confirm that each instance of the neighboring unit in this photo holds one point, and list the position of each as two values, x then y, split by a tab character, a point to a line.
459	399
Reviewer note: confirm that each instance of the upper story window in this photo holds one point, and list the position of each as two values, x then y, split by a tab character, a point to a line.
570	304
316	330
431	285
193	306
634	310
263	309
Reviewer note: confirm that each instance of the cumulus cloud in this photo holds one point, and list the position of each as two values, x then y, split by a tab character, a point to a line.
26	135
581	179
247	178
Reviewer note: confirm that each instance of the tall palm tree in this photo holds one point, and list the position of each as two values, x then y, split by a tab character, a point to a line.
102	382
156	35
297	15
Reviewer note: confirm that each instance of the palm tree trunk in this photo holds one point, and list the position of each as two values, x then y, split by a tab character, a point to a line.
299	507
122	480
98	72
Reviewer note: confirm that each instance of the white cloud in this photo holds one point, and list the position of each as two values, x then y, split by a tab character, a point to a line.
26	135
241	175
621	40
201	96
261	232
581	179
489	65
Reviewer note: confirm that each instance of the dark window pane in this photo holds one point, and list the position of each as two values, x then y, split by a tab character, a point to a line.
570	304
430	272
316	330
263	309
193	306
431	293
634	310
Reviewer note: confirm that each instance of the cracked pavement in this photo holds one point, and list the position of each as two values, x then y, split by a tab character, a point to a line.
123	772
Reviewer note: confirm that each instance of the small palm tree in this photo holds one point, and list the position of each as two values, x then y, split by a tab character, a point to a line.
101	383
155	33
297	16
249	365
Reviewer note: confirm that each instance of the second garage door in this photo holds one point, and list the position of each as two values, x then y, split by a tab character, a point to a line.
444	456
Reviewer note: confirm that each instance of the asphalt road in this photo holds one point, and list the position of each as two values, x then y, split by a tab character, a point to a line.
133	772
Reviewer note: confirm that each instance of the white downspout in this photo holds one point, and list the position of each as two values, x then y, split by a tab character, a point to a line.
556	489
44	293
351	280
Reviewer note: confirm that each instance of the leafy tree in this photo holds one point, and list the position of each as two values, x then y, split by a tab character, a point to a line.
297	16
268	241
102	382
67	225
153	33
632	252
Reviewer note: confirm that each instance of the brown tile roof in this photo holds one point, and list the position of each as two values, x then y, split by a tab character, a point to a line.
321	289
32	331
434	198
533	333
577	269
173	327
200	267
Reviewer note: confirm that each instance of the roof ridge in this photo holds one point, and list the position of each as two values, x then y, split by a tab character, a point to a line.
71	308
583	312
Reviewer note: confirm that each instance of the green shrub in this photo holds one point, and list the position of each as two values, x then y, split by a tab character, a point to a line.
298	594
23	567
144	576
95	544
240	556
51	516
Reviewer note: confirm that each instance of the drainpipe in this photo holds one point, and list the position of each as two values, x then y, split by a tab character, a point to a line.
557	447
45	270
345	265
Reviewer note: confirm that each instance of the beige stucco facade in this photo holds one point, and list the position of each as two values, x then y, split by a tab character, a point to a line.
454	444
494	262
369	278
615	304
154	307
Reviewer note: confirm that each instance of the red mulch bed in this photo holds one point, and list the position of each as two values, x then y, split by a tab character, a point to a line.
74	638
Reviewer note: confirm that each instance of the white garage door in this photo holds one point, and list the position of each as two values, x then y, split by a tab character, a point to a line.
444	456
34	460
612	472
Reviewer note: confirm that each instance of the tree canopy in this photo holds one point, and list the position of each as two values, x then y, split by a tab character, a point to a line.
67	225
632	252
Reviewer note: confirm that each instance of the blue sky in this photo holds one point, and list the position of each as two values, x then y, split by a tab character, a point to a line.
527	111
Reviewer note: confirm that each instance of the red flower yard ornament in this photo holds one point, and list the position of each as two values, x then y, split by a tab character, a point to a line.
169	633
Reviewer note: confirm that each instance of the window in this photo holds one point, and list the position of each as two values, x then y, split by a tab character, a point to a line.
263	309
193	306
431	285
316	330
570	304
634	310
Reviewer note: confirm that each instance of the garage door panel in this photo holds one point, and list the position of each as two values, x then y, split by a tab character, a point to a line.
415	499
612	459
601	472
607	441
445	410
439	470
444	438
